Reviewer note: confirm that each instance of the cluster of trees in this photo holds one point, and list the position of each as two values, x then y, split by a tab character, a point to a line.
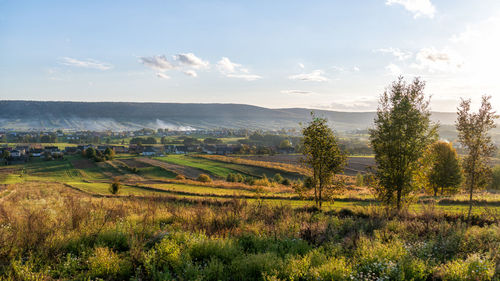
98	156
407	154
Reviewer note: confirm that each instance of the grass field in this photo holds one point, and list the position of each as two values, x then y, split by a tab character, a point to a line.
222	169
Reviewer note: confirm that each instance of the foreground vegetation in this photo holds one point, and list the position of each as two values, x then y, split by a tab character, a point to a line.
52	232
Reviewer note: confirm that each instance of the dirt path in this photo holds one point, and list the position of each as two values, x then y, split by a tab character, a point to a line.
188	172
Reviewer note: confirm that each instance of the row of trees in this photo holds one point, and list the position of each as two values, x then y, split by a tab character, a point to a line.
406	152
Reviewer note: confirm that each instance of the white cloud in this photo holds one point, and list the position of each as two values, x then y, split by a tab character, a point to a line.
356	68
88	63
393	69
248	77
159	63
301	92
225	65
301	65
419	8
315	76
399	54
191	60
185	63
162	75
235	70
191	73
434	60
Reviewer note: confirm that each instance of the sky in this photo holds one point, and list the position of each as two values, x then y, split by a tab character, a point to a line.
335	55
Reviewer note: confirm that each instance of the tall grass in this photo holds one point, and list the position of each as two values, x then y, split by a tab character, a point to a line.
50	232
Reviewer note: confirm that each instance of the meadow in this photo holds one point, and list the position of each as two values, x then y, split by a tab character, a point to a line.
59	221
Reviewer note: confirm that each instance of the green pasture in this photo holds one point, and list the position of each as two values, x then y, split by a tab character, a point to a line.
222	169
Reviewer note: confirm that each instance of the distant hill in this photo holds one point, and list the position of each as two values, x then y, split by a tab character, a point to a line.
181	116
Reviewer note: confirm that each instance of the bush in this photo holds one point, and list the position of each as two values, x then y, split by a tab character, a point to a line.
264	181
286	182
278	178
204	178
115	186
180	177
474	268
104	263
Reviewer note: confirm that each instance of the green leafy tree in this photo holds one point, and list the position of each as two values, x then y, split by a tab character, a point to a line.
90	153
285	144
5	154
402	133
109	153
323	154
445	172
473	134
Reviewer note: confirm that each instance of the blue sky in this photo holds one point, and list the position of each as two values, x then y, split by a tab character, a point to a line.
337	55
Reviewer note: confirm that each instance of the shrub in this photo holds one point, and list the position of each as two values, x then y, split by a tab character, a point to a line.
278	178
204	178
164	259
286	182
180	177
254	266
115	186
333	269
264	181
473	268
104	263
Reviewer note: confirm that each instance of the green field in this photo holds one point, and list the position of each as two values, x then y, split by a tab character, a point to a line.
222	169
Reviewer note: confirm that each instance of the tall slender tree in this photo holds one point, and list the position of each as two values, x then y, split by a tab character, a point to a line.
401	134
323	155
473	134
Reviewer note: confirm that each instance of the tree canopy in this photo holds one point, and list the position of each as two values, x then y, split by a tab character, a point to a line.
323	155
401	134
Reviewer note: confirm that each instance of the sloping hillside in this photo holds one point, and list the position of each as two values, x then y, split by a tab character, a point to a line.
180	116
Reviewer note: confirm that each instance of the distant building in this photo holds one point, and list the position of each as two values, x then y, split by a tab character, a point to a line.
149	151
36	152
15	153
71	150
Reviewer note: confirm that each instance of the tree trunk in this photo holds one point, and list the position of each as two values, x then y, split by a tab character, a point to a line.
471	190
398	202
320	190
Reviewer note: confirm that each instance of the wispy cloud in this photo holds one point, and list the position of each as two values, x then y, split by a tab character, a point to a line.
434	60
159	63
419	8
189	59
87	63
300	92
162	75
191	73
399	54
186	63
315	76
235	70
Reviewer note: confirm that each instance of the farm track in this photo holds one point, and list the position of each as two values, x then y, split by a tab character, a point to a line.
186	171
